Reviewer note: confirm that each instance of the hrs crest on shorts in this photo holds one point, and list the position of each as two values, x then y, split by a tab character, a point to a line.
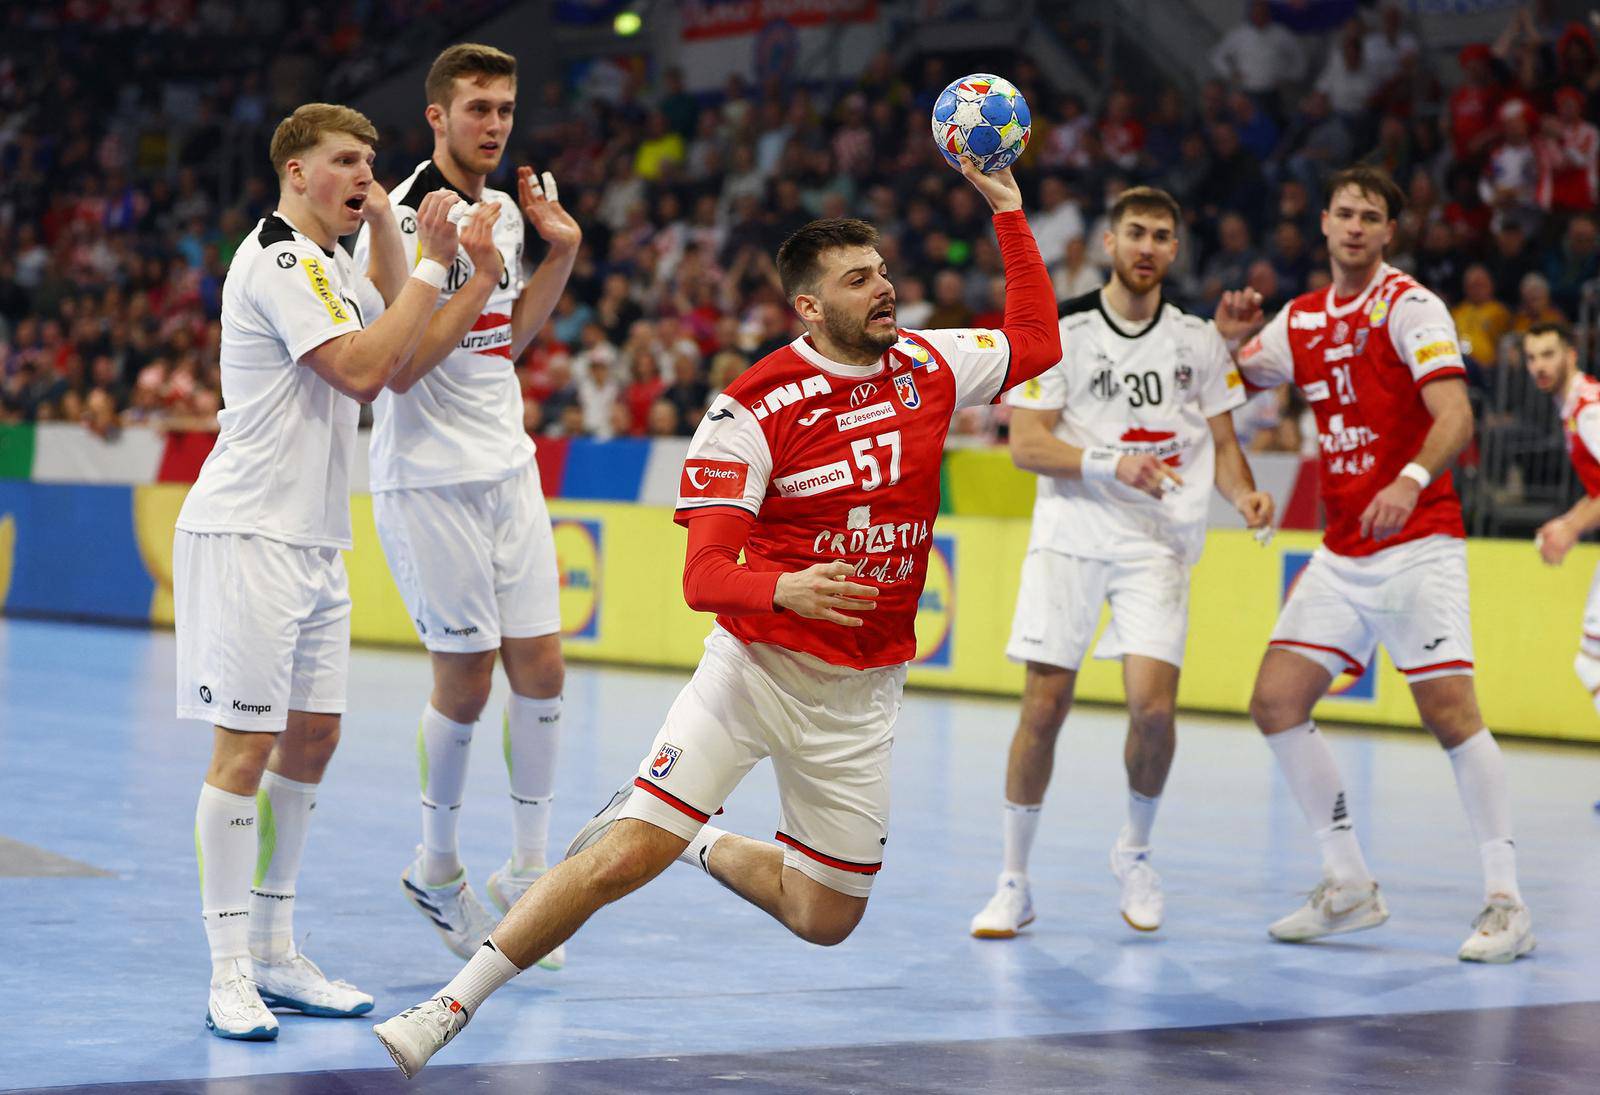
666	757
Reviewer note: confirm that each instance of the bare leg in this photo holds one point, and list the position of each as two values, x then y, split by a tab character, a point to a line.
754	870
1151	686
1046	699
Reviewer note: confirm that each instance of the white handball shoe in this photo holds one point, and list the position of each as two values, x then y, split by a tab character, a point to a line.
1008	911
1502	932
421	1031
1330	910
234	1009
596	826
1142	902
296	983
505	888
452	908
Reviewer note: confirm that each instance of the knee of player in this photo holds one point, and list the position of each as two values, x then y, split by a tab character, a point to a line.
827	929
1154	718
627	858
1271	711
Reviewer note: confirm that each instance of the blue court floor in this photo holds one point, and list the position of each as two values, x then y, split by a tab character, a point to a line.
683	987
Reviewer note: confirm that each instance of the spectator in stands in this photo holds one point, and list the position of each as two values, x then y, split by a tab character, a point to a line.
1574	262
1258	55
1077	275
1533	304
1390	47
1258	133
1510	185
1121	133
1229	264
1569	176
1059	220
1481	321
1511	260
1349	82
1290	257
1475	104
663	420
1317	143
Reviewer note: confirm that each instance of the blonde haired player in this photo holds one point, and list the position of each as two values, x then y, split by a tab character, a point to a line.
1377	358
1552	360
457	500
261	602
1127	435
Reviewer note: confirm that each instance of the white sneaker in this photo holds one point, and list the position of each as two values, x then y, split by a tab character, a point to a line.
505	888
452	908
1008	911
1142	901
596	826
1502	932
421	1031
235	1010
1330	910
296	983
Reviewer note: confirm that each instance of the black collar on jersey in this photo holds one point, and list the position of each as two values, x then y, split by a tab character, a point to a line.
1116	328
428	181
274	229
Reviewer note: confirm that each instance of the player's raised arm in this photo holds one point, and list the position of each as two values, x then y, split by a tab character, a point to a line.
1030	317
360	364
541	204
451	323
387	267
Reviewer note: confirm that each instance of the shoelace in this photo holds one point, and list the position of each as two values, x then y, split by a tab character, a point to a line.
1493	919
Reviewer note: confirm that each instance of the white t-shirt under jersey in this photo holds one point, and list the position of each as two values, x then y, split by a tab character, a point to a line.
281	465
462	422
1151	390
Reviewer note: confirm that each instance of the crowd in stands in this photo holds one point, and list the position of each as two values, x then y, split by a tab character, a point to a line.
114	235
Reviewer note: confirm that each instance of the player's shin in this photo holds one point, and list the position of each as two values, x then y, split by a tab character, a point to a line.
532	734
225	846
1481	781
1313	776
442	750
283	819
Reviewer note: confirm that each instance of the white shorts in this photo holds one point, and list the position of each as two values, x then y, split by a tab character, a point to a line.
1412	598
1590	643
1059	600
474	562
263	629
828	731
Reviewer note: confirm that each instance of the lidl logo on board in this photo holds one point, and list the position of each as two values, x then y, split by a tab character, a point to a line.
936	608
578	547
1362	689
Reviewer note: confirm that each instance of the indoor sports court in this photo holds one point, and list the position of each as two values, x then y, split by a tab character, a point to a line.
682	988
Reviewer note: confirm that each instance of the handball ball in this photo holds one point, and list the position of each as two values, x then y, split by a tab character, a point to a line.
984	117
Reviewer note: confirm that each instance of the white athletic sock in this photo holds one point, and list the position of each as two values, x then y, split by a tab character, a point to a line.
283	817
1313	777
225	847
698	853
484	972
442	750
1021	822
1481	781
532	732
1141	819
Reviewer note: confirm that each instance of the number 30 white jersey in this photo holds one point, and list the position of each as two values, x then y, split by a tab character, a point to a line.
1149	391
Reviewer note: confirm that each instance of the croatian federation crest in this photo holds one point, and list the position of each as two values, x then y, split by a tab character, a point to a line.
666	757
905	386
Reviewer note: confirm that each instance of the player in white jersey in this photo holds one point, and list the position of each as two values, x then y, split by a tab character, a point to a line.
457	501
261	602
1127	434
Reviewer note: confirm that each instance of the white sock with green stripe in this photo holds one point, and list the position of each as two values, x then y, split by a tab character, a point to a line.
224	848
442	750
531	735
283	818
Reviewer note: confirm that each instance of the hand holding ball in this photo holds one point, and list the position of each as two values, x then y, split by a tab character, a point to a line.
982	118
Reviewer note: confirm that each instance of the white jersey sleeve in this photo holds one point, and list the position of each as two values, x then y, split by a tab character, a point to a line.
980	359
1588	426
294	294
1220	387
1045	392
729	461
1424	335
1266	360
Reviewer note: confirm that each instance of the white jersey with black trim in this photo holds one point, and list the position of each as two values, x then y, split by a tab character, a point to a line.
281	465
462	422
1150	390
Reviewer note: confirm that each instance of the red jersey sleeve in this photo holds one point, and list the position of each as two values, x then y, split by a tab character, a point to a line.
713	580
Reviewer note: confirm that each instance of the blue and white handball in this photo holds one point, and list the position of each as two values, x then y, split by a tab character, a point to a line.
984	118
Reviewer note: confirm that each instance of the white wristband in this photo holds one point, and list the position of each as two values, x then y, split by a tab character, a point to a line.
1417	474
430	272
1099	464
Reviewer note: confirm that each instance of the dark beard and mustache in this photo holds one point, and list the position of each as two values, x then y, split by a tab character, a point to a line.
855	337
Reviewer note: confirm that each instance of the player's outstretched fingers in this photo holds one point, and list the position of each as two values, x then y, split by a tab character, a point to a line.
436	235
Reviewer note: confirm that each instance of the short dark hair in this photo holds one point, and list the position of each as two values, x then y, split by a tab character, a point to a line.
799	263
471	59
303	130
1551	327
1144	199
1374	182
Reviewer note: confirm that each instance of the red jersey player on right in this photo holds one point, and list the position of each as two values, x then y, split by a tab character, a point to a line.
1376	357
1552	361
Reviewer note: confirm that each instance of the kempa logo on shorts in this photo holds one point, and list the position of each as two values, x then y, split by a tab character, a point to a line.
205	694
461	632
815	480
851	420
252	708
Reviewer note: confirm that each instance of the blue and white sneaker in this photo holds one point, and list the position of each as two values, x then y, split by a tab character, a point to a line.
234	1009
452	908
296	983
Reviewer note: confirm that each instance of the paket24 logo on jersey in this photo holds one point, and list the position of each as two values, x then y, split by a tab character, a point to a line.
1362	689
713	479
578	558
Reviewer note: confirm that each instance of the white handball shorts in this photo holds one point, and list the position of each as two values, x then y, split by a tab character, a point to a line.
263	629
474	562
828	731
1412	598
1590	644
1059	601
